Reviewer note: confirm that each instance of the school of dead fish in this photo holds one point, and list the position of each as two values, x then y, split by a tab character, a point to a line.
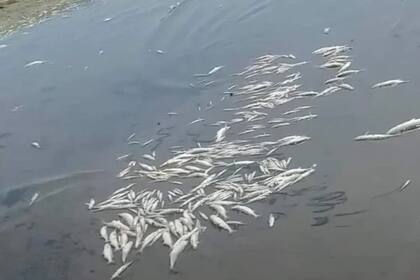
229	174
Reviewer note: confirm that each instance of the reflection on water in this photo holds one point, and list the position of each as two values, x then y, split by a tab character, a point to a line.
82	119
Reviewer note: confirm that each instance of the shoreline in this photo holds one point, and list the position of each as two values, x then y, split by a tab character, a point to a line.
15	14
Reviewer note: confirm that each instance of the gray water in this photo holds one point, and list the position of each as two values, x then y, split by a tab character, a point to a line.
81	118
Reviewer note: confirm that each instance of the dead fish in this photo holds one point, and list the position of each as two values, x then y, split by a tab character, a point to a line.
196	121
33	199
160	51
107	19
373	137
333	80
389	83
167	239
36	145
346	86
120	270
348	72
345	66
221	133
211	72
2	46
123	157
177	249
327	30
107	253
246	210
113	239
271	220
147	142
405	126
103	233
220	223
118	225
149	157
90	204
405	185
126	250
36	62
129	138
173	113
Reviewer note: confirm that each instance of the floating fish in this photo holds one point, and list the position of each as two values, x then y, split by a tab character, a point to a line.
390	83
33	199
120	270
36	62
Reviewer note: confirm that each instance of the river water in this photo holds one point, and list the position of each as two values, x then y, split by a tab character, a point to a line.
104	80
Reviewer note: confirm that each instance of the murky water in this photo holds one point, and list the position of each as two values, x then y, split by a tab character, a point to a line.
82	105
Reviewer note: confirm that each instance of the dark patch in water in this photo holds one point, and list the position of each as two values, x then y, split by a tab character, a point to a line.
320	221
13	197
351	213
5	135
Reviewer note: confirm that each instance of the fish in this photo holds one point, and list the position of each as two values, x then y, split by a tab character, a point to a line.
405	126
245	210
347	73
220	223
390	83
33	199
167	239
129	138
211	72
271	220
36	62
2	46
334	80
126	250
405	185
346	86
373	137
107	253
104	234
221	133
36	145
345	66
90	204
196	121
113	239
121	270
177	249
327	30
147	142
173	113
107	19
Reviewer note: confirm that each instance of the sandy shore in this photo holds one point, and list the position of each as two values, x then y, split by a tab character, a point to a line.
18	13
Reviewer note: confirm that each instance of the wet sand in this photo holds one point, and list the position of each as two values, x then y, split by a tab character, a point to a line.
83	116
18	13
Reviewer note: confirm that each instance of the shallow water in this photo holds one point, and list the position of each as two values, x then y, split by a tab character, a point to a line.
81	118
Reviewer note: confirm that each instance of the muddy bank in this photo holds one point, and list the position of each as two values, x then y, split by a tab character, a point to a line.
17	13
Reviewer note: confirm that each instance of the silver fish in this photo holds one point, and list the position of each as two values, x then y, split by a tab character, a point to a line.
245	210
107	253
120	270
33	199
104	234
373	137
220	223
177	249
405	126
126	250
390	83
271	220
36	62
